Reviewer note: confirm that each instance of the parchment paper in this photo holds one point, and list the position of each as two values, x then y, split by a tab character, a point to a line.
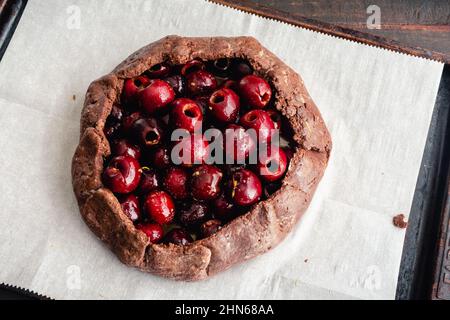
376	103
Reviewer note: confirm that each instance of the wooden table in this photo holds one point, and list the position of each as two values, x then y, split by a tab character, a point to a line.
420	27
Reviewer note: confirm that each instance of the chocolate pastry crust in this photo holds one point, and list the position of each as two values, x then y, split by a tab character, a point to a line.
263	227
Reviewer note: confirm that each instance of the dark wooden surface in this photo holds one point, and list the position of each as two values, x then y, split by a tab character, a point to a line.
417	27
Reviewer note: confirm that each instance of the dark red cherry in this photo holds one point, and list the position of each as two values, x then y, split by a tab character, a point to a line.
223	208
193	214
245	188
131	207
200	82
159	207
131	88
273	164
178	236
115	115
241	69
205	182
192	66
160	157
178	84
175	182
148	131
153	231
243	144
113	131
186	114
255	91
190	150
221	66
128	121
260	121
122	174
113	126
156	97
123	147
276	118
224	105
159	70
231	84
149	181
210	227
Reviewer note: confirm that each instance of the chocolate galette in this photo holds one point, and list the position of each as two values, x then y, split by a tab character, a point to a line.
147	181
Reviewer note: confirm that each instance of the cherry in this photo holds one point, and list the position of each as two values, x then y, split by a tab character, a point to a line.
243	144
210	227
115	115
192	66
241	69
122	174
148	131
131	207
191	150
131	88
223	208
178	236
245	188
255	91
200	82
260	121
113	122
231	84
112	131
224	105
149	181
128	121
193	214
159	70
276	118
273	165
155	97
205	182
186	114
159	207
160	157
178	84
153	231
175	182
221	66
123	147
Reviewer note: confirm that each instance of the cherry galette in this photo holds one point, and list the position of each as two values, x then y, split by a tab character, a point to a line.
198	194
196	154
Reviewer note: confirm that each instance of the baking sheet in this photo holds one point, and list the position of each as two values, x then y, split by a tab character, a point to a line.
376	103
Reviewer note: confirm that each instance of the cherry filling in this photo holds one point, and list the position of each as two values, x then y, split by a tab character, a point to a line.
159	70
255	91
122	175
224	105
186	114
163	168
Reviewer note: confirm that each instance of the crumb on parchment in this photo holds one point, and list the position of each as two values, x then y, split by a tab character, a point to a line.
399	221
